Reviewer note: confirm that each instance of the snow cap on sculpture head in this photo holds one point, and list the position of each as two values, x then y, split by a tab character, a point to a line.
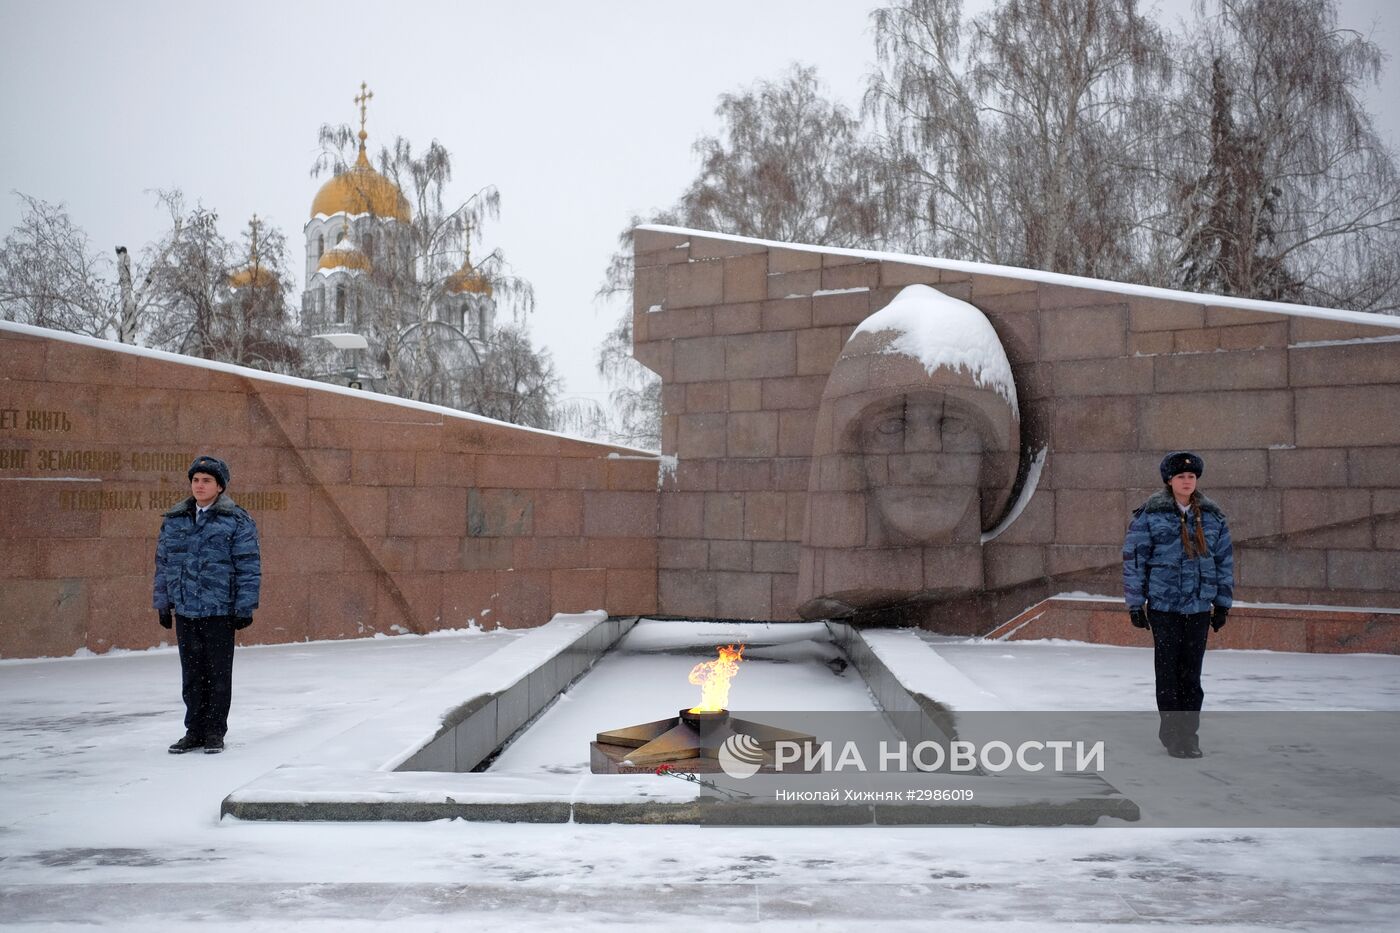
916	447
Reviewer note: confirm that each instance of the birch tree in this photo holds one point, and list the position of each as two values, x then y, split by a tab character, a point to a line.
1017	137
51	277
788	164
188	281
515	382
635	395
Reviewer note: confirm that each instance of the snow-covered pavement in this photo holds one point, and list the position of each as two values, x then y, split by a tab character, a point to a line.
98	825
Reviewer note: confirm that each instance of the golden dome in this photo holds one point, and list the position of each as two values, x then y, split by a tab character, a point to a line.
344	255
468	280
361	190
252	276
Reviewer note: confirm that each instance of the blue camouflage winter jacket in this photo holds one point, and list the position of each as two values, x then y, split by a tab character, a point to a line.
1156	569
208	568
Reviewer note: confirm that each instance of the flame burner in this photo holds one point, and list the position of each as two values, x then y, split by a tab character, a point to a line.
690	741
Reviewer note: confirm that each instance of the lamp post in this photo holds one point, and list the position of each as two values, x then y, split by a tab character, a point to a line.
349	343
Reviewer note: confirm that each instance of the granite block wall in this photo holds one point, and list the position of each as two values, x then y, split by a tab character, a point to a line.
378	516
374	516
1297	416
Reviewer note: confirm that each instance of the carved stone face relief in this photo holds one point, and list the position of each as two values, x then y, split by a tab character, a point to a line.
914	457
921	457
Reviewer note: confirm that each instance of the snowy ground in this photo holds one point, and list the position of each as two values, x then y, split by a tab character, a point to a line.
98	825
1066	675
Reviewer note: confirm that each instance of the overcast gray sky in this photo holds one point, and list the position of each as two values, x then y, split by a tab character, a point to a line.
580	113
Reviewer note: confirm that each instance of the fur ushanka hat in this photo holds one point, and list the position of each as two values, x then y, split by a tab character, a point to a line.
1181	461
211	465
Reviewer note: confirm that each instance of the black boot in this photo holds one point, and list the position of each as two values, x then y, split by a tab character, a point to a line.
187	744
1185	748
1171	731
213	745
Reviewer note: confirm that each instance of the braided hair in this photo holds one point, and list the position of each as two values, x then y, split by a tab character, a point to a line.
1194	545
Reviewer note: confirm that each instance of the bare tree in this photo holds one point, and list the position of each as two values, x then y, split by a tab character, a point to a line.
788	164
1016	137
516	382
50	277
189	275
1283	189
252	324
635	394
636	391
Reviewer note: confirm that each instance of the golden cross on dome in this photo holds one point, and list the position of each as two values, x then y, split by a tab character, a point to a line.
363	98
253	226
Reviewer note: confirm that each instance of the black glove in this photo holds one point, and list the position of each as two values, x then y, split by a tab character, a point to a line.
241	622
1218	617
1139	617
167	618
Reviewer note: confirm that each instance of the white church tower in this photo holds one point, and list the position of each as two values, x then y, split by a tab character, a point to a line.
359	247
352	227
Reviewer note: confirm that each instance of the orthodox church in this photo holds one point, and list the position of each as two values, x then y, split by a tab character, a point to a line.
360	262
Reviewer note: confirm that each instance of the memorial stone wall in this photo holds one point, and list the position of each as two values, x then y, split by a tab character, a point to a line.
381	516
1295	410
375	516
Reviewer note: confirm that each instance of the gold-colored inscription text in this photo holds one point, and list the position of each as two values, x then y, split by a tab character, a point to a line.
14	419
100	461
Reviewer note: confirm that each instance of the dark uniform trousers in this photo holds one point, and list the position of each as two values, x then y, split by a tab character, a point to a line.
206	673
1180	642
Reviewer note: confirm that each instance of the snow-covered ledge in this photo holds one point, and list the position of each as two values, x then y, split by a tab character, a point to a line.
422	749
1369	318
919	691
